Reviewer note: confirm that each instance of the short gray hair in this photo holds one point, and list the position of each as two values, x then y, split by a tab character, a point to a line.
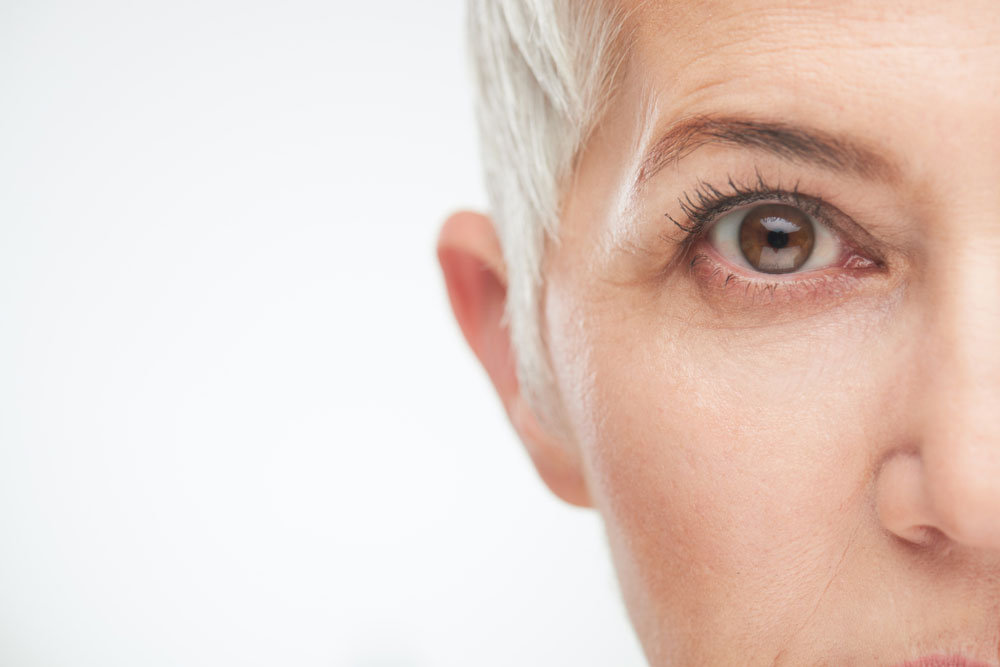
544	71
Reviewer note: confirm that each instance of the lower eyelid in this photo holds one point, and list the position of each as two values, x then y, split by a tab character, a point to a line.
728	282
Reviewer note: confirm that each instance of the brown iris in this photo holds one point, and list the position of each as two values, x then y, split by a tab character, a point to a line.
776	238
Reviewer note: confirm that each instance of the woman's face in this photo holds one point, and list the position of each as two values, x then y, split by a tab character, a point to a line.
774	318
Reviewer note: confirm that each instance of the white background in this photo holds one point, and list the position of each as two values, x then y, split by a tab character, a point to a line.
237	423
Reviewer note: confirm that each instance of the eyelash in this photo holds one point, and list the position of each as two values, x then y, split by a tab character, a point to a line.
707	203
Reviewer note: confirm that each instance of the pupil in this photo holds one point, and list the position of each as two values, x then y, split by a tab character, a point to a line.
777	239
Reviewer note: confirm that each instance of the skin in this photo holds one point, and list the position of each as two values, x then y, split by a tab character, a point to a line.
787	475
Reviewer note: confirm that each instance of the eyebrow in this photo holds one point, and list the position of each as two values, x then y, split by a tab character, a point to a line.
790	142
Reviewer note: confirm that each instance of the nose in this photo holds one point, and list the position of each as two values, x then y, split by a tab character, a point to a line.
948	481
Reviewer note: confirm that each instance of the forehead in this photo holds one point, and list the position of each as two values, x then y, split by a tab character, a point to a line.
814	57
706	29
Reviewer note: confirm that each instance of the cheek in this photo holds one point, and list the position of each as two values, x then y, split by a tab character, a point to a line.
731	466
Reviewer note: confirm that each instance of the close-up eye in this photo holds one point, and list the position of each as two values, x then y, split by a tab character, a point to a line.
774	238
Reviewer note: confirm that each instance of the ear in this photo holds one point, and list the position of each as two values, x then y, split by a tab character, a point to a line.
474	272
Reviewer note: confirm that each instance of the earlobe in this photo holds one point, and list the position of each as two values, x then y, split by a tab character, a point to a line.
472	262
560	472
